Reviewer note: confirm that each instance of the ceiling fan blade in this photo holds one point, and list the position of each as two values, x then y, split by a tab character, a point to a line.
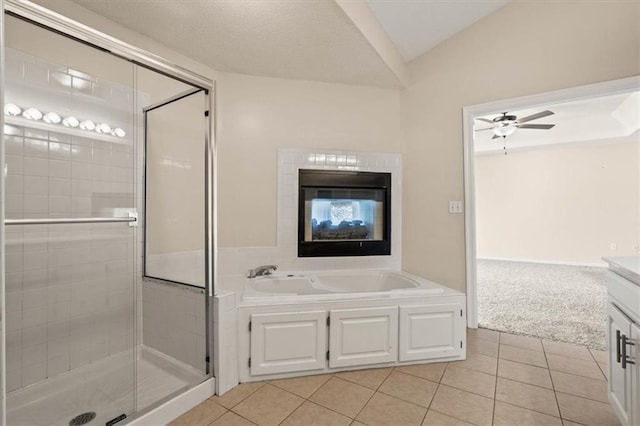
488	128
486	120
536	126
496	137
535	116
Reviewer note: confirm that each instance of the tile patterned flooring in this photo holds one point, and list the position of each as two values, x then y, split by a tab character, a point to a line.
506	380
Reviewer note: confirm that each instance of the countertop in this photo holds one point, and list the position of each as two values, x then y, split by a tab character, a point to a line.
626	266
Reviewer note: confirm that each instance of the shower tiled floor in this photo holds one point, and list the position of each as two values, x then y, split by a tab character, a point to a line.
506	380
105	387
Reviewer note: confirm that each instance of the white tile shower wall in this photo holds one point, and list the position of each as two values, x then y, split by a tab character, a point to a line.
234	261
174	321
69	287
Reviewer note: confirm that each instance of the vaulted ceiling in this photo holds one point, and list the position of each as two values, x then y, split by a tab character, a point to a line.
340	41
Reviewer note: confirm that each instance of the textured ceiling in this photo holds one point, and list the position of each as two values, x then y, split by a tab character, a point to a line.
605	118
417	26
307	40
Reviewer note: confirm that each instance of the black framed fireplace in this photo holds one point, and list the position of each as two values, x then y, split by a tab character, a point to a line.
344	213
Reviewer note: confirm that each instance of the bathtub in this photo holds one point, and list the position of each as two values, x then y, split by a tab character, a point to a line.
336	285
302	323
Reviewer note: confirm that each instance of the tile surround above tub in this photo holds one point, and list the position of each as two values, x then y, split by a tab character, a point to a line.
238	260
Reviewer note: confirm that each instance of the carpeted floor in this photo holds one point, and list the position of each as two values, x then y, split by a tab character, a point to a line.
555	302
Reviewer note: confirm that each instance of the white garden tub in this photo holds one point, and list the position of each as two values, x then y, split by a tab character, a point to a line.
336	285
323	322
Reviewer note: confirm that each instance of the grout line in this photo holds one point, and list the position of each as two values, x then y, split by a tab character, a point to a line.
435	392
553	386
374	392
495	389
242	400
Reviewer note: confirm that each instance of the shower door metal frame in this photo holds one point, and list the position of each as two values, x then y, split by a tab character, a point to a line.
3	369
82	33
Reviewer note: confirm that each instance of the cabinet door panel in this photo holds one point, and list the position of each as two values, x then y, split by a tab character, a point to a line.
635	368
430	331
619	385
363	336
288	342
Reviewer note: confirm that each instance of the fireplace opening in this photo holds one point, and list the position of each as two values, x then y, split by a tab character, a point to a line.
344	213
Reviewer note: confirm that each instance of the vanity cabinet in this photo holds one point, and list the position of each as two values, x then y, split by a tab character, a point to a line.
620	378
623	327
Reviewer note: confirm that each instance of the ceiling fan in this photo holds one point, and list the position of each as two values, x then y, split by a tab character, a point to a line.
505	124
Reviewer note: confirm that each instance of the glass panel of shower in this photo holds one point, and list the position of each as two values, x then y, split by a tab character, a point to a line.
88	340
70	279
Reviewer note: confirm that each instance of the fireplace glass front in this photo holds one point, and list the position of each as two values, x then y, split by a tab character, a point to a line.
344	213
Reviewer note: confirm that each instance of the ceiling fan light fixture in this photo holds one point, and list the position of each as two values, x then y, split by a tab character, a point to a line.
504	130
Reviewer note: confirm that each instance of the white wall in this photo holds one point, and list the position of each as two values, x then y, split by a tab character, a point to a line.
256	116
523	48
559	203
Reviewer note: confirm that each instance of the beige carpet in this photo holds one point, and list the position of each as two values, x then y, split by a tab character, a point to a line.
555	302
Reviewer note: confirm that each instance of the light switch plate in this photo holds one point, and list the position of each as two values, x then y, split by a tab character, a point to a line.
455	207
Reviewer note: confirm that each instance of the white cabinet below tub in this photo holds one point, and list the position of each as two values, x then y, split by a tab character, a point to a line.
431	331
363	336
287	342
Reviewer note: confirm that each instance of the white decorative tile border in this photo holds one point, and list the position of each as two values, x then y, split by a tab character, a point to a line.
233	261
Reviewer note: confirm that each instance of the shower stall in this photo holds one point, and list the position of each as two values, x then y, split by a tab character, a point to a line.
107	197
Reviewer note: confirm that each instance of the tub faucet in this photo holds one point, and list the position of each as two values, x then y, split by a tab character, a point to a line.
261	270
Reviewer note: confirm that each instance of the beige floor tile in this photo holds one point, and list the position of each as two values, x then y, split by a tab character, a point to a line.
371	378
483	347
357	423
483	334
386	410
409	388
575	366
529	374
477	362
567	349
586	411
269	405
201	415
302	386
434	418
601	357
231	419
570	423
580	386
431	371
470	380
526	342
237	394
342	396
522	355
310	414
527	396
509	415
463	405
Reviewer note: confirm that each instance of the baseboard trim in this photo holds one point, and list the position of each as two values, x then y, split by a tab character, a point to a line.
546	261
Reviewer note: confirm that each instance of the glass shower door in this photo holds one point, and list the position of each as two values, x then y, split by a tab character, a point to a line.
70	247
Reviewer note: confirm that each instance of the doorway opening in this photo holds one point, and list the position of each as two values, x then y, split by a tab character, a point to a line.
550	191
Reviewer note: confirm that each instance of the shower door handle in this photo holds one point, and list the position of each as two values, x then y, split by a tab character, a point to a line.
132	219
